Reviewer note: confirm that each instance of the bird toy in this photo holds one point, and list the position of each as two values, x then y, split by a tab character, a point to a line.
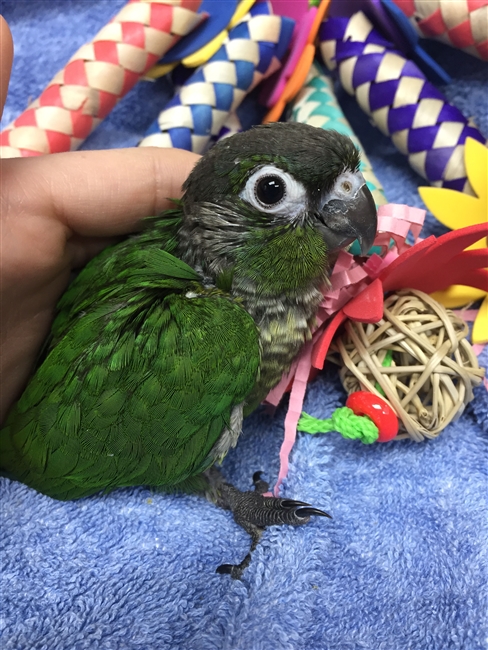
400	101
460	24
418	356
454	210
252	51
97	76
365	417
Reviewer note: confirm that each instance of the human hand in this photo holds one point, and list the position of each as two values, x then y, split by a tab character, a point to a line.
57	212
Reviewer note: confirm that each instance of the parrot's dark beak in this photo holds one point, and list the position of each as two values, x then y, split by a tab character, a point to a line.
343	221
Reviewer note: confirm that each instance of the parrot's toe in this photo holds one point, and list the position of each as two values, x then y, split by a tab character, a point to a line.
255	509
254	512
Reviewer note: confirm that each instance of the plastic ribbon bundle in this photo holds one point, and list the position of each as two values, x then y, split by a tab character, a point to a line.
252	51
316	104
460	24
400	101
98	75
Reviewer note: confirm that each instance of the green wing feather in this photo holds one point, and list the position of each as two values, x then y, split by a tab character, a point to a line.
139	382
115	265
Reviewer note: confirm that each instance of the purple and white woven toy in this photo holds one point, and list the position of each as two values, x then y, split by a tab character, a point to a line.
400	101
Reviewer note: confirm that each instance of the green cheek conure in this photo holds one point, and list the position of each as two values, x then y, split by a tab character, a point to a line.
165	341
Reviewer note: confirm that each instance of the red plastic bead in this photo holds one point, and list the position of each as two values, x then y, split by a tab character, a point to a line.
364	403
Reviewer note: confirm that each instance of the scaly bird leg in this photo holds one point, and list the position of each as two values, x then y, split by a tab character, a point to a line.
254	512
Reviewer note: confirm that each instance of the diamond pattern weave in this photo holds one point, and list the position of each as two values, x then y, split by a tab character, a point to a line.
399	100
98	75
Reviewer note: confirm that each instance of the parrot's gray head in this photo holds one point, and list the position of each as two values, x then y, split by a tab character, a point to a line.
274	178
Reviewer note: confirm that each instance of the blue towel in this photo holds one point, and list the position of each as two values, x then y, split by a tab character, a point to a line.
402	565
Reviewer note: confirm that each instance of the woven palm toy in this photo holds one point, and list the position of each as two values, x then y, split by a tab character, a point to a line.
399	100
253	50
461	24
249	113
97	76
316	104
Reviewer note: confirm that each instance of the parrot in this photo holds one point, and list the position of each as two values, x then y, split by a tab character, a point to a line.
167	340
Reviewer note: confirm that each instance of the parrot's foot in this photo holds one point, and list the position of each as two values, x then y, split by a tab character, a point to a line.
254	512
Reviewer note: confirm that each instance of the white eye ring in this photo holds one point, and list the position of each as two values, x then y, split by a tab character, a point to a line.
290	204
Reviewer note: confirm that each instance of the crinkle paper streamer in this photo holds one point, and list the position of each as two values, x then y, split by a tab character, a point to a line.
97	76
400	101
253	51
460	23
316	104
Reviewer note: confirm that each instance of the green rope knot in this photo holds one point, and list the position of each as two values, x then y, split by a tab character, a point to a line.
345	422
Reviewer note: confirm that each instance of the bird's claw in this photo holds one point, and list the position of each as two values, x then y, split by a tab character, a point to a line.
310	511
235	571
289	511
302	510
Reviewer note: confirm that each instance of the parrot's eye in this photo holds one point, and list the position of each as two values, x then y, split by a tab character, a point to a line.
270	190
347	187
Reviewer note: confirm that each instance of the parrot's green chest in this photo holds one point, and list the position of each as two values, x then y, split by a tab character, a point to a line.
285	311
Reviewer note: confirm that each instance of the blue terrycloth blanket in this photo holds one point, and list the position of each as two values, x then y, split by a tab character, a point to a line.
403	563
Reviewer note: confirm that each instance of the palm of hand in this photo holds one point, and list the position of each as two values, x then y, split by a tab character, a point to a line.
57	212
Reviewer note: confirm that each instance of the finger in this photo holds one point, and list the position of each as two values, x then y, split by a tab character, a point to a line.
6	57
98	193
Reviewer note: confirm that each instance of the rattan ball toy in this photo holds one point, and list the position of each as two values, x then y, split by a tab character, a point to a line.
417	358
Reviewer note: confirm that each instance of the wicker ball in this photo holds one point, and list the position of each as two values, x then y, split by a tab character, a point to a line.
417	358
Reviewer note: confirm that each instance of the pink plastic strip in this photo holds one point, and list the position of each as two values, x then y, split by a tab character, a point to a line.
295	407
